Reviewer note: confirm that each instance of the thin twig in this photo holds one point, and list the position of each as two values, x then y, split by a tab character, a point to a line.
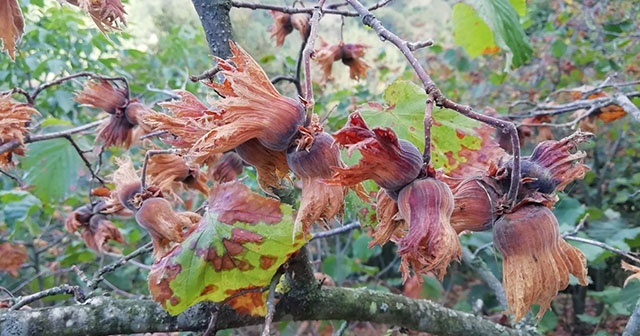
62	289
98	276
427	122
147	157
61	80
84	159
48	136
605	247
306	58
208	74
479	266
440	100
293	10
270	303
337	231
14	178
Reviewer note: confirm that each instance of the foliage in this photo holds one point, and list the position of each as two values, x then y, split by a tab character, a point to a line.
547	46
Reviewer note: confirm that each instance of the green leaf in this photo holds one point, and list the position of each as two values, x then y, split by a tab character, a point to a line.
17	205
474	22
520	6
235	247
471	32
52	167
404	113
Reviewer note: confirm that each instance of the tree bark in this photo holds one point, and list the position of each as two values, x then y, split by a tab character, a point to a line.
107	316
215	19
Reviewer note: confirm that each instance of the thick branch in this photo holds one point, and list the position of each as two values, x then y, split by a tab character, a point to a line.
105	316
214	16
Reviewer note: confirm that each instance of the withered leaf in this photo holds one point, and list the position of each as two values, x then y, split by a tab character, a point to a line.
11	25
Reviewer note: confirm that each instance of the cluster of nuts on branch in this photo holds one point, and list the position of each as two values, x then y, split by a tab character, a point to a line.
421	210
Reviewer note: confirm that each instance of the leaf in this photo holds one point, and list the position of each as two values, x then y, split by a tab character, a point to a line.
11	25
471	32
239	244
520	6
13	256
52	167
16	205
499	17
450	133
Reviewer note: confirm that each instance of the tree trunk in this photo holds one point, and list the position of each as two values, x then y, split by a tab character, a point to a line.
214	15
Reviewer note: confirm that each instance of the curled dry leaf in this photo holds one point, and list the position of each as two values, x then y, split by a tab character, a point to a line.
350	54
390	162
14	120
536	259
108	15
431	242
11	25
251	108
13	256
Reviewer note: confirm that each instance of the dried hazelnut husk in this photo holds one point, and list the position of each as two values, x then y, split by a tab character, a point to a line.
14	121
163	224
312	162
251	108
390	224
431	242
168	171
271	166
536	259
475	205
103	95
285	23
391	162
226	169
349	53
551	166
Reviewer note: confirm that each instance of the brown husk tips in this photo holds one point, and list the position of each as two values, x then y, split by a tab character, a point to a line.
536	259
475	204
312	161
431	242
285	23
14	120
349	53
96	229
251	108
390	162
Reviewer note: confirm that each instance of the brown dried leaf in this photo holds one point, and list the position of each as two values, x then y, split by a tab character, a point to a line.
11	25
108	15
13	256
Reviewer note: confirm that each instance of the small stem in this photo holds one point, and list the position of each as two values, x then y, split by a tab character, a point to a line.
208	74
97	277
604	247
337	231
428	121
62	289
48	136
84	159
306	58
147	156
293	10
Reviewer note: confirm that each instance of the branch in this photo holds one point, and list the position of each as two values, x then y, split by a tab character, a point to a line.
306	58
604	247
62	289
633	326
293	10
215	19
336	231
438	97
478	266
106	316
48	136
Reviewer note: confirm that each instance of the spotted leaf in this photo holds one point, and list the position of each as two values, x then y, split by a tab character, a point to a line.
237	247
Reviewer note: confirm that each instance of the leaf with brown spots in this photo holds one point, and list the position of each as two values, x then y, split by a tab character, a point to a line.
239	244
